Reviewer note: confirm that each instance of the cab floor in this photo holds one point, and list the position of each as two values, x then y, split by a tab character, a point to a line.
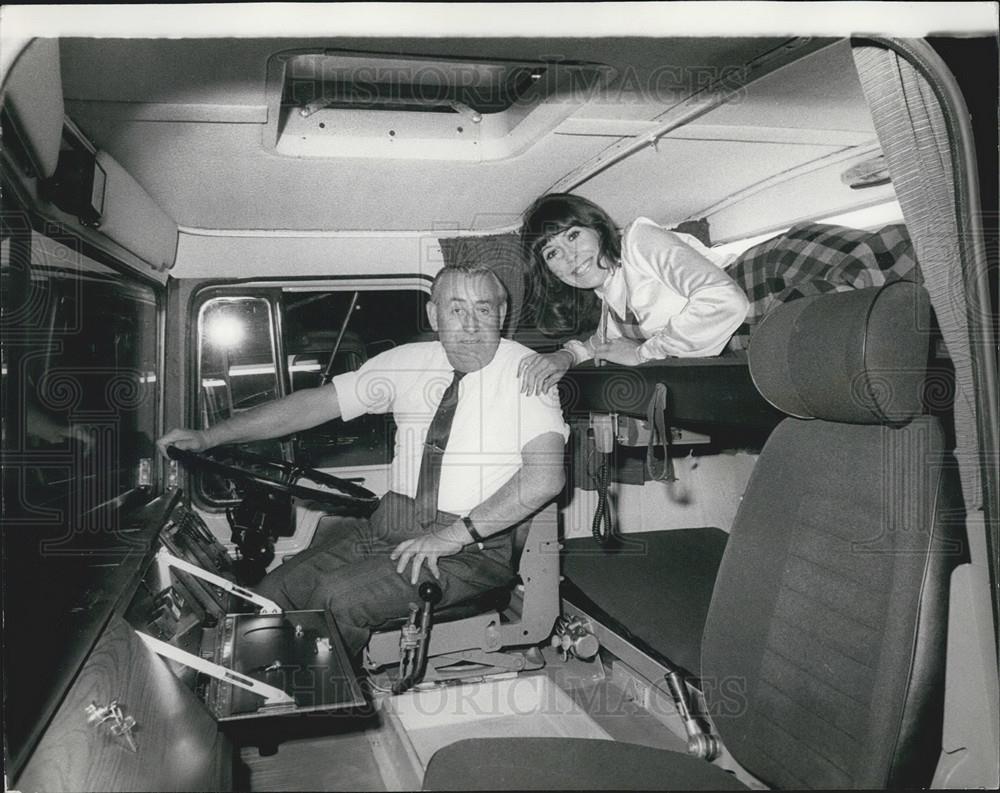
334	753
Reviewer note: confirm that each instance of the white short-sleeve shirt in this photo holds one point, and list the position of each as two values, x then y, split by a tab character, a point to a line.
493	420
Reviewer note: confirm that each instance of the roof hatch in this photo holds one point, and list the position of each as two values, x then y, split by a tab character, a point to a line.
346	103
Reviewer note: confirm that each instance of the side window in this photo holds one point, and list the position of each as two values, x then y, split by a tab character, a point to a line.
80	345
79	353
365	323
236	370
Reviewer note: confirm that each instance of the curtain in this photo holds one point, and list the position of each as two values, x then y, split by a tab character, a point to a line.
502	254
914	137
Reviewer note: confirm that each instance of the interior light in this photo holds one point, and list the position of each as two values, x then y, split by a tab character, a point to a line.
872	172
225	331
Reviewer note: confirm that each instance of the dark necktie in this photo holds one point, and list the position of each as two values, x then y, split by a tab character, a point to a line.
434	445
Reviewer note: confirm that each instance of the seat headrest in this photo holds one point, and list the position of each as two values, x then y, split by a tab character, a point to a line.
859	357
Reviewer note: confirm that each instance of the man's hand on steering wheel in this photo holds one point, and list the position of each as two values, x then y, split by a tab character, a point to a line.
189	440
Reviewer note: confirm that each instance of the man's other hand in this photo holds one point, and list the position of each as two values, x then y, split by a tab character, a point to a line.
428	548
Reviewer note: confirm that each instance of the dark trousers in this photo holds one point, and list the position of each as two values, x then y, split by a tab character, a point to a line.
353	576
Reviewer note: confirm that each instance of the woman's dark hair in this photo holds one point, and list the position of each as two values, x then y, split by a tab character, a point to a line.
560	309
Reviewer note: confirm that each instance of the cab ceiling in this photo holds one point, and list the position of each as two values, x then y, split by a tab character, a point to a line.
186	117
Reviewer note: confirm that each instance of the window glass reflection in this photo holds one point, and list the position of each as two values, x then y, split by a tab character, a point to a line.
80	387
236	371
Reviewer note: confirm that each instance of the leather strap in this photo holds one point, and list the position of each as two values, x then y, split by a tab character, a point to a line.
656	417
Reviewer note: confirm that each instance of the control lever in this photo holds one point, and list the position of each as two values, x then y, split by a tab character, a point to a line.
430	594
701	744
409	643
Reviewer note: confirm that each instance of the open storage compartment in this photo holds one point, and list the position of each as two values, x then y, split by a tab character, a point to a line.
242	665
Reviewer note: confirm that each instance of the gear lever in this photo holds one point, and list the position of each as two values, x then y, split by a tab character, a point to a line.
430	594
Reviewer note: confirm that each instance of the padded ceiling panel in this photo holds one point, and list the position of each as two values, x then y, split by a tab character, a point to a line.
151	70
681	178
208	168
218	176
820	90
685	177
33	94
210	174
211	71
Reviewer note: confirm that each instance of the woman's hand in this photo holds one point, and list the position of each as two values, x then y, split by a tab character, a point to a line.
541	371
623	351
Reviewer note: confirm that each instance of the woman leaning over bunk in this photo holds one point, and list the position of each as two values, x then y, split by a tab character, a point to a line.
660	294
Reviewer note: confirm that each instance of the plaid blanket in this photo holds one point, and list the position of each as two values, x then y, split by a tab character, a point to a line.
813	258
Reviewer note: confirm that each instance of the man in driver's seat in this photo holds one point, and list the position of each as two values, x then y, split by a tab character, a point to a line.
453	491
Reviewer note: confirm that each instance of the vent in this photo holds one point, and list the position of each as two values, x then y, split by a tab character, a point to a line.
368	81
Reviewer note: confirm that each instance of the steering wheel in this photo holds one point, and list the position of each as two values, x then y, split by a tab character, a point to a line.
281	477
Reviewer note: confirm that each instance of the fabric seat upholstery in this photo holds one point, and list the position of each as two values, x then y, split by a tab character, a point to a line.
653	591
552	763
831	599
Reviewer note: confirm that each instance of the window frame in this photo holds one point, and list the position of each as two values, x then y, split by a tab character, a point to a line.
274	290
201	298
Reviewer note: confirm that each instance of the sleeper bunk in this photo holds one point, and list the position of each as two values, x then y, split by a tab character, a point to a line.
702	394
705	394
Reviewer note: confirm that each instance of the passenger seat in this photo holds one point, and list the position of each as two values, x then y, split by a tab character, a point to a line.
828	617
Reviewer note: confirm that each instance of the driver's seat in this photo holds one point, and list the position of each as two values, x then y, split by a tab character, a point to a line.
476	630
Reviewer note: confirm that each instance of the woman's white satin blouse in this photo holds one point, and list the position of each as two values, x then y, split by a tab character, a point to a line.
685	304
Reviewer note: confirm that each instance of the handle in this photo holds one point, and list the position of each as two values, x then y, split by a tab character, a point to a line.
112	717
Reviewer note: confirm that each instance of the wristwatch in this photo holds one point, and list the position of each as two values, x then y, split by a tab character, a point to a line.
471	528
